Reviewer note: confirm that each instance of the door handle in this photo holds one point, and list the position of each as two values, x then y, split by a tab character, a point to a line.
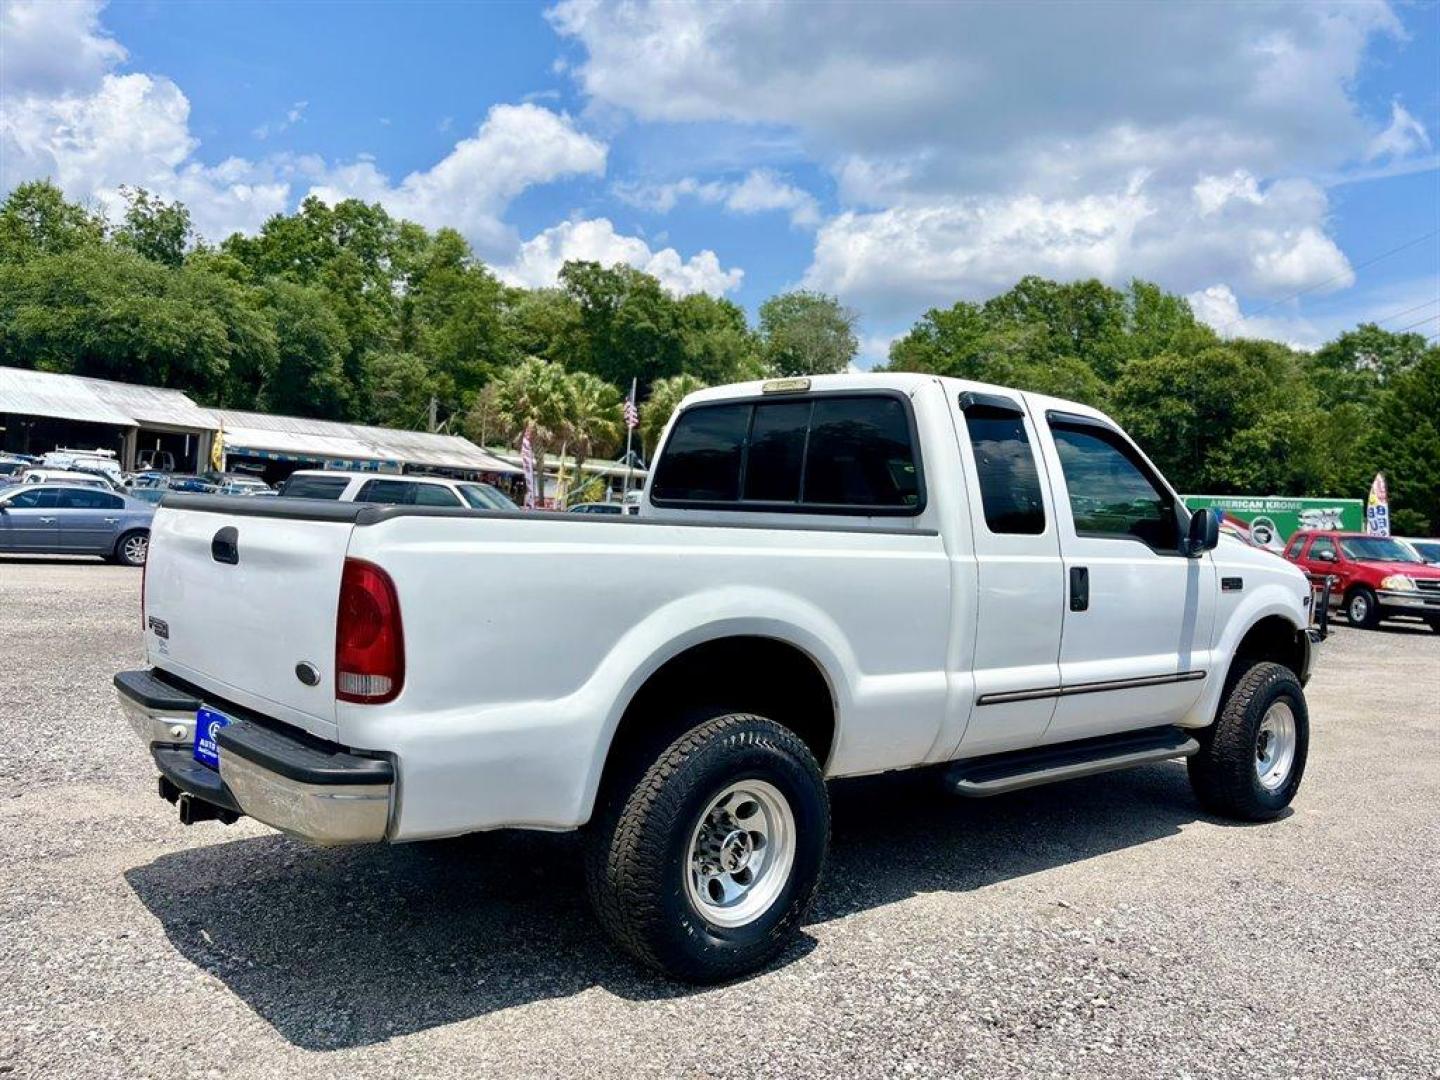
111	521
47	521
1079	588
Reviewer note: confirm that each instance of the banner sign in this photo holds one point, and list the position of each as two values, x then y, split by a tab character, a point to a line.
1377	508
1271	520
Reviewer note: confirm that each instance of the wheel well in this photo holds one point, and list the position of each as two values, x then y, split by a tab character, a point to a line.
738	674
1273	638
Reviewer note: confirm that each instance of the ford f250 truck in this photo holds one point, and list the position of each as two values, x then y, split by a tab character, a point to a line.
827	577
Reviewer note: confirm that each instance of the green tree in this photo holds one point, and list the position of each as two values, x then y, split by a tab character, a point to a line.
716	342
309	375
1404	442
628	323
36	219
807	333
665	398
155	229
535	395
401	386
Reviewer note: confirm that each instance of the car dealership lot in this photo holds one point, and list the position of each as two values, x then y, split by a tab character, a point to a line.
1101	926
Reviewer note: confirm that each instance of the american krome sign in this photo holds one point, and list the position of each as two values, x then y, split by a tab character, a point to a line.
1271	519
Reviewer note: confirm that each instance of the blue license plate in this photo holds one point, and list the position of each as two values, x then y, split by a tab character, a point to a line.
208	723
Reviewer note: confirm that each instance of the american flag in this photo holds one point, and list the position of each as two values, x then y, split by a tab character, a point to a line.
632	415
527	465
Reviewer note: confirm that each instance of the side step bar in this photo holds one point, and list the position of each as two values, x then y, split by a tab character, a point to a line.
995	774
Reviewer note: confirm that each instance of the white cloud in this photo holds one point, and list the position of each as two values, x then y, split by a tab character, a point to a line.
293	115
1268	240
973	144
516	147
758	191
67	115
541	257
1405	136
52	48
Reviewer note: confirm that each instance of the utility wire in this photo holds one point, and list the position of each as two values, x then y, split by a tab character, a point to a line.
1331	280
1407	311
1412	326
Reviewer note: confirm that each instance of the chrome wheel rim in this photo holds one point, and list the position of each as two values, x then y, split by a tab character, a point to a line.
1275	746
740	855
136	548
1359	608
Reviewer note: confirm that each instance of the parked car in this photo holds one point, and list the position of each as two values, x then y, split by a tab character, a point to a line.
151	495
102	462
74	519
1374	577
597	508
832	576
190	482
1427	548
243	485
65	476
390	490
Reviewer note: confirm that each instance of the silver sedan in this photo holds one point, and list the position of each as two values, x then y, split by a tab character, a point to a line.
67	519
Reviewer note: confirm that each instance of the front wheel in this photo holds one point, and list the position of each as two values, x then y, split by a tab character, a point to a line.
1362	609
132	548
705	867
1252	759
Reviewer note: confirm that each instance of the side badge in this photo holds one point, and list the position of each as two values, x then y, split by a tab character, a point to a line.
307	673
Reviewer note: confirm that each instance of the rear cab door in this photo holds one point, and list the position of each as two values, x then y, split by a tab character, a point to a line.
1019	584
1139	615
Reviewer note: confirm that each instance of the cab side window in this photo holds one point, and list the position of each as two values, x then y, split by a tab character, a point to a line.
1005	467
87	499
34	499
1323	544
1293	551
1111	492
434	495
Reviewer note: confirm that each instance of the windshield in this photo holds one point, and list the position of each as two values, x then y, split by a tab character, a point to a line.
1376	549
1429	550
485	497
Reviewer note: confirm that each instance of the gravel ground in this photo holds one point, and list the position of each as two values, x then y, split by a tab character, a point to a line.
1102	927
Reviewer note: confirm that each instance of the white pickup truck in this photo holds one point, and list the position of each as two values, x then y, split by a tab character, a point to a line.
827	577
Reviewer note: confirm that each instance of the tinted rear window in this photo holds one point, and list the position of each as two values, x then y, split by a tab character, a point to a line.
315	487
827	454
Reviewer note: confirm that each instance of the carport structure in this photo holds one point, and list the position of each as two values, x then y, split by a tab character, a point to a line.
41	410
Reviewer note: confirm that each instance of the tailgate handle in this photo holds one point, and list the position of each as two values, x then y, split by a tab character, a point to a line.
226	545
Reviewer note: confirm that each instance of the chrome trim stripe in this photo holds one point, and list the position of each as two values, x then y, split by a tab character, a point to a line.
1088	688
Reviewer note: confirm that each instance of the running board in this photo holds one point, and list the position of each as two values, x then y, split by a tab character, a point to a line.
995	774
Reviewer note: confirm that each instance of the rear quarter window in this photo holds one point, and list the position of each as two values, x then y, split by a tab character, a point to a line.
825	453
315	487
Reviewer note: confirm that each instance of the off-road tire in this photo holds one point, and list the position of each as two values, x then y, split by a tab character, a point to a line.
1371	618
1223	773
126	552
637	849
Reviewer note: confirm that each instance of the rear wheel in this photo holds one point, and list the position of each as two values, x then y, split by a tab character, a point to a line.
132	548
1362	609
1252	758
705	867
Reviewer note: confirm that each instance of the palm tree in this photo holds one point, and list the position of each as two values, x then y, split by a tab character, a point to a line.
536	394
595	417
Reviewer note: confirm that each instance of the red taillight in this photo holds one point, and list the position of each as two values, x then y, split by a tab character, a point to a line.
369	647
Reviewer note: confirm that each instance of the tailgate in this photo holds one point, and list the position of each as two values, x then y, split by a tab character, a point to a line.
237	596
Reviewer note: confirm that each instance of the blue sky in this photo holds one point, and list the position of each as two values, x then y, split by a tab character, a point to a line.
1264	160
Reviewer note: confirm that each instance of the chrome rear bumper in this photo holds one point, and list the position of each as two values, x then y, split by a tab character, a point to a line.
309	788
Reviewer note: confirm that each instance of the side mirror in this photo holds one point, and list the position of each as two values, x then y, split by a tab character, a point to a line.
1323	556
1204	533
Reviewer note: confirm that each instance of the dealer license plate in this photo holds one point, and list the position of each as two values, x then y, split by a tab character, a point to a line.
208	723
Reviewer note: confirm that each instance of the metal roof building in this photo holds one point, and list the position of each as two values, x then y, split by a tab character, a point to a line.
40	410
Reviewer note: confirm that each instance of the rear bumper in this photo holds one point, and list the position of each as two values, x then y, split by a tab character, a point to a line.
307	787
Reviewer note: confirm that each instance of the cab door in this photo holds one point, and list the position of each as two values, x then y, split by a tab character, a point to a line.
1020	578
88	520
1135	650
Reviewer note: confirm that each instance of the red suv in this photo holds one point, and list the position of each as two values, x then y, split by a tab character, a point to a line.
1375	577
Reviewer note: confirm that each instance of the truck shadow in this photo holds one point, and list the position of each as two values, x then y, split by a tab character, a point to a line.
350	947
